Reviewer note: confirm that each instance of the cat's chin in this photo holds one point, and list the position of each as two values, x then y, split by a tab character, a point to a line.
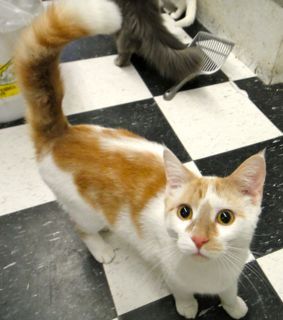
203	256
200	257
194	255
212	255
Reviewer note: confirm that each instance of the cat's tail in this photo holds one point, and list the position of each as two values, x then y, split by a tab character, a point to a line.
172	59
174	64
37	58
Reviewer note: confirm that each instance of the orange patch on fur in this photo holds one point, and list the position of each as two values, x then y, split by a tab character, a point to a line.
114	133
109	180
36	62
226	189
204	226
194	192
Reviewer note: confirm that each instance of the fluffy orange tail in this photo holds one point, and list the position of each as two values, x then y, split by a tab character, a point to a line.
37	59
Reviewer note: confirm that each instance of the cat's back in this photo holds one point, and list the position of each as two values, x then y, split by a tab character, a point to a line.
109	169
98	149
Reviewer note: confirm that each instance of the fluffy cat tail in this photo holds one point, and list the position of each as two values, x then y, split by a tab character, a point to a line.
175	64
172	61
37	58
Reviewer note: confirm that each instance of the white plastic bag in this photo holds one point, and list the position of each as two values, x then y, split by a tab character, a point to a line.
14	15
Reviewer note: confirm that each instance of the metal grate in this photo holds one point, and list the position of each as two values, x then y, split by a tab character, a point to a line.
214	52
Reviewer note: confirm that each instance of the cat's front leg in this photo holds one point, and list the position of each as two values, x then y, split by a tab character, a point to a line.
100	250
186	304
234	305
125	47
187	307
123	59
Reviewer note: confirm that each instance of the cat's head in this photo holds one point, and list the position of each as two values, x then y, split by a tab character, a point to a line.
210	216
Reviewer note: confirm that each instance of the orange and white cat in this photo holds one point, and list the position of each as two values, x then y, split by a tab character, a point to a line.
198	229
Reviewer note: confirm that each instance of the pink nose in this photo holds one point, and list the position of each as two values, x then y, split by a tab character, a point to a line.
199	241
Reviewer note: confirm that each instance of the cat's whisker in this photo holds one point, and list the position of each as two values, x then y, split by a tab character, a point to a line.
255	272
258	234
222	267
236	248
255	289
250	268
257	253
169	252
239	249
230	266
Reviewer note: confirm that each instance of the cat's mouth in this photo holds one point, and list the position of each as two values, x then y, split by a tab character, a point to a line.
195	254
200	256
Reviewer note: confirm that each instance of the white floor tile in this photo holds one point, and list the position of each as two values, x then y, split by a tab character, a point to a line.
97	83
20	184
215	119
191	166
236	69
132	282
250	257
272	265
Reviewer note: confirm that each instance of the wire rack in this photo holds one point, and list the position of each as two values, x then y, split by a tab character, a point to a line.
214	52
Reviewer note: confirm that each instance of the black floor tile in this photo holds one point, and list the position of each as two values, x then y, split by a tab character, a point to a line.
12	123
46	271
158	85
261	298
269	233
142	117
163	309
269	99
90	47
254	288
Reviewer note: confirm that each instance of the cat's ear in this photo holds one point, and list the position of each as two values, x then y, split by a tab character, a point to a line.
176	173
250	175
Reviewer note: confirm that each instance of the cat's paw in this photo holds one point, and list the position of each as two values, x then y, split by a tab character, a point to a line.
238	310
174	15
103	253
120	62
187	309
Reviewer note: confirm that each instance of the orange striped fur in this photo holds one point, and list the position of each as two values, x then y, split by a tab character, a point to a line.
36	62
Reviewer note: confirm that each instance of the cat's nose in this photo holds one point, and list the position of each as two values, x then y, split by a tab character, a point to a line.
199	241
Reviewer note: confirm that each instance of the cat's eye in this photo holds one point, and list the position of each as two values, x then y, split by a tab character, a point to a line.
225	217
185	212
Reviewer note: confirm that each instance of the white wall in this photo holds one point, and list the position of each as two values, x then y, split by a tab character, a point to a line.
256	26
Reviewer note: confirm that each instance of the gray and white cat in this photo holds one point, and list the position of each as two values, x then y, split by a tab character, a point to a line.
143	32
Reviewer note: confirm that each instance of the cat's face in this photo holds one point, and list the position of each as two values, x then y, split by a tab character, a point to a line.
211	217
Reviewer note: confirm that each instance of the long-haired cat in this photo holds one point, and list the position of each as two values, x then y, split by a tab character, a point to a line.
177	7
198	229
144	33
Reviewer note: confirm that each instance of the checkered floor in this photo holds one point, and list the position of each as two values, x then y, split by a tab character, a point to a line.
213	124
